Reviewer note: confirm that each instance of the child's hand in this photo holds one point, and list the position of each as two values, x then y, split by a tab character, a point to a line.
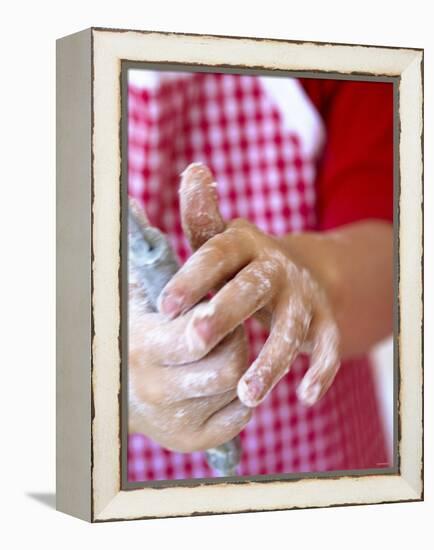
177	396
184	402
255	273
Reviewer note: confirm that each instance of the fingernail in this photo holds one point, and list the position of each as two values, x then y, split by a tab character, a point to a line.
200	328
195	342
250	391
309	392
202	321
170	304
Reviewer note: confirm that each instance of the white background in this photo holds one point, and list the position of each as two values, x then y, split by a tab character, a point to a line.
27	119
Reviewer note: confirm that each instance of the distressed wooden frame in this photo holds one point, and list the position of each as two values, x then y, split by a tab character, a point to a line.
89	381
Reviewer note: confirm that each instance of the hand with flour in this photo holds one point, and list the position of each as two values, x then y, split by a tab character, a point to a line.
179	397
182	402
256	275
301	286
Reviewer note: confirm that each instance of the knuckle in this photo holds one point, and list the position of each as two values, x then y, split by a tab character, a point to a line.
214	250
299	311
240	229
236	231
286	264
153	391
217	246
240	224
244	416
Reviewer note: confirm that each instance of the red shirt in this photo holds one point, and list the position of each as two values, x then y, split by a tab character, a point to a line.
355	172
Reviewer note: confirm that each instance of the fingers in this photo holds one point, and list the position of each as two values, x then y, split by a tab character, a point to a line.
218	372
215	374
166	343
251	289
200	215
183	426
223	425
282	346
216	261
324	359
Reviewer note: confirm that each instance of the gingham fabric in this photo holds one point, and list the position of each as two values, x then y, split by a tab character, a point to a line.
265	173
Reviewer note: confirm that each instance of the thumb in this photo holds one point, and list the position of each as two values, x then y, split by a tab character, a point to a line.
200	215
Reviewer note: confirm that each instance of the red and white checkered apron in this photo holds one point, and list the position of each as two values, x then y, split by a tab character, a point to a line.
232	124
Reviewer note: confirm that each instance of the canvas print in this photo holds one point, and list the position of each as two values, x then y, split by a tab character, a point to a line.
260	275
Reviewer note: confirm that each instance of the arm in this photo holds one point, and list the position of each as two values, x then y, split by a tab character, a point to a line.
354	264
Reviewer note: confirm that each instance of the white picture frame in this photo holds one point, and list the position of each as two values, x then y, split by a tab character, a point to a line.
89	324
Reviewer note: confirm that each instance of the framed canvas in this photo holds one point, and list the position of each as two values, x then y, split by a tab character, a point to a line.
134	110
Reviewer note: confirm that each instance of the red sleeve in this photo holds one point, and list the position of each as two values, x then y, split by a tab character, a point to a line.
355	173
